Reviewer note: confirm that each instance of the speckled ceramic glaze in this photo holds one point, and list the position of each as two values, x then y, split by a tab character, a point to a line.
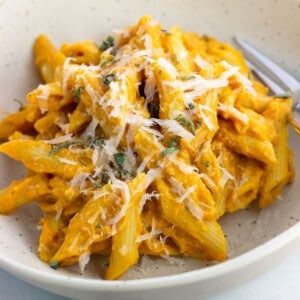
257	239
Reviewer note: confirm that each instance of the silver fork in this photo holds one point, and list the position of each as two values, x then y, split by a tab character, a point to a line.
278	80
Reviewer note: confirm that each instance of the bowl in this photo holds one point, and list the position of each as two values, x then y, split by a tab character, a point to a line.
257	239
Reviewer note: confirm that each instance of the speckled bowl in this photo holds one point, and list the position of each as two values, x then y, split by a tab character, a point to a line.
257	239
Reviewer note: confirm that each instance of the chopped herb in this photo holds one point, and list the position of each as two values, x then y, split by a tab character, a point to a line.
120	158
98	226
186	123
173	141
105	60
54	265
77	93
191	105
198	123
172	147
154	110
97	141
106	80
169	150
207	164
109	42
187	77
286	95
19	102
118	173
65	145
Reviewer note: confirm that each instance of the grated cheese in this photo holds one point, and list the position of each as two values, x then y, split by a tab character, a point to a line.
44	88
234	112
184	196
226	174
147	42
247	83
173	260
90	130
150	235
146	197
167	66
205	118
175	128
200	62
185	168
60	139
144	163
66	161
120	185
58	214
83	261
150	84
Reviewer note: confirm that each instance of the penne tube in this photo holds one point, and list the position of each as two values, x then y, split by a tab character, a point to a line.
208	233
125	247
248	145
37	156
24	191
278	175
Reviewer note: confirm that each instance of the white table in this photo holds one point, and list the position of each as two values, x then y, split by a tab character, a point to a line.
280	283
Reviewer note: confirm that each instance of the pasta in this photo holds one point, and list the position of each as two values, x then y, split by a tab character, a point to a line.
140	145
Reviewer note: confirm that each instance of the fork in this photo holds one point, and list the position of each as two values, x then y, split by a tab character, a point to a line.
278	80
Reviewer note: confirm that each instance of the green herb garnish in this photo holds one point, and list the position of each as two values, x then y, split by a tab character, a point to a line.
106	59
168	151
207	164
109	42
98	226
182	120
106	80
54	265
198	123
187	77
120	158
191	105
172	147
286	95
61	146
77	93
118	173
96	142
173	141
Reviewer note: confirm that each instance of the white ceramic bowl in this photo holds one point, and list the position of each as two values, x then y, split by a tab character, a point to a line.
273	26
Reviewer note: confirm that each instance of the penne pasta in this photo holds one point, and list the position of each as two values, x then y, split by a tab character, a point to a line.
139	146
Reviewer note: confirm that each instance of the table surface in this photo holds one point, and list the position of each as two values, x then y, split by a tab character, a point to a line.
281	282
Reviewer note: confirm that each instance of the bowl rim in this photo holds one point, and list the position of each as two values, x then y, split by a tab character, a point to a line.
38	277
